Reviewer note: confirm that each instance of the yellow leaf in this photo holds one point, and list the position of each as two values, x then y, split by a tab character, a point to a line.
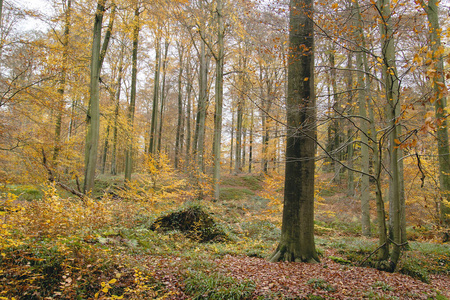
397	141
306	79
112	281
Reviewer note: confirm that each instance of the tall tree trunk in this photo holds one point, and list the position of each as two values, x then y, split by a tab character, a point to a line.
297	231
154	121
178	141
363	86
116	112
350	179
93	113
131	108
188	112
392	96
219	100
201	108
62	82
440	105
105	149
232	141
163	94
239	117
250	146
337	126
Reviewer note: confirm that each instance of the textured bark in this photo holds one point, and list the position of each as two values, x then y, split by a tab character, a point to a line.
116	112
154	121
392	96
250	146
131	108
363	87
62	82
163	95
440	104
219	100
351	177
297	231
188	113
180	129
93	113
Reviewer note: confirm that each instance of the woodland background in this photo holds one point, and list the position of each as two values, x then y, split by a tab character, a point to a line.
148	74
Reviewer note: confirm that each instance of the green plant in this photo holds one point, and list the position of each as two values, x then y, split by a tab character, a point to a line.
320	283
382	285
413	267
200	285
340	260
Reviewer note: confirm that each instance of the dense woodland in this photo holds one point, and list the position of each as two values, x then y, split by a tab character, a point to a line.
211	149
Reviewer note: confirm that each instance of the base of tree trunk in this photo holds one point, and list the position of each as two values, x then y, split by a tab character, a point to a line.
282	253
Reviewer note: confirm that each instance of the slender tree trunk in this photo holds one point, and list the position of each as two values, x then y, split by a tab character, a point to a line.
201	110
219	101
93	113
178	141
188	113
154	122
350	179
239	118
131	108
105	149
62	82
116	112
163	94
297	231
250	146
392	96
232	141
337	127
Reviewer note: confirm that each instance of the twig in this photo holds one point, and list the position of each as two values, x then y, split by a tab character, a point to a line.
51	178
361	263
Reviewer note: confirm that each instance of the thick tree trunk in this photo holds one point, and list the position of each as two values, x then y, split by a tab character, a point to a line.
219	100
201	108
131	108
93	113
440	105
363	125
297	231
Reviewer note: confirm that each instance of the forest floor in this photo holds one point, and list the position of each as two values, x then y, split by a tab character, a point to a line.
54	247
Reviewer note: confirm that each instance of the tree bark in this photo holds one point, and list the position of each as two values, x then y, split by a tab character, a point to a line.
393	100
154	122
297	231
163	94
116	112
131	108
93	113
440	103
180	130
364	132
219	101
62	83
